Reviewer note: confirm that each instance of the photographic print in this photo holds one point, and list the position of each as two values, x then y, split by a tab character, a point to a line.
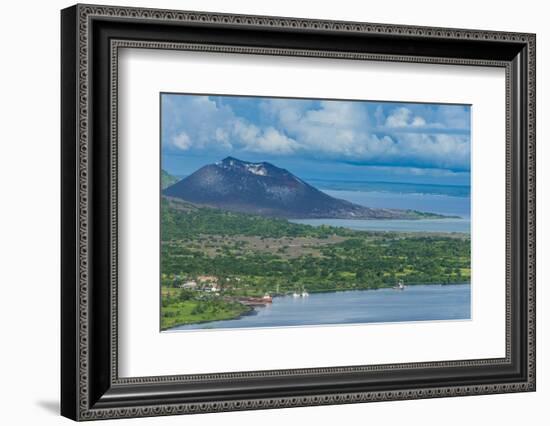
310	213
285	212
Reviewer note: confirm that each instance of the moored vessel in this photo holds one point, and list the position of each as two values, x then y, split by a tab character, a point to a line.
399	286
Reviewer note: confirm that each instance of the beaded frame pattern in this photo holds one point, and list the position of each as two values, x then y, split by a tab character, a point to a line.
86	12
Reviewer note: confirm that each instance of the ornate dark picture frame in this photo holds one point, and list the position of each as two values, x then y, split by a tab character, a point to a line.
91	37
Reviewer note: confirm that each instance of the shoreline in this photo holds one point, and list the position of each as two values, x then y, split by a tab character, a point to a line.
442	227
250	311
253	311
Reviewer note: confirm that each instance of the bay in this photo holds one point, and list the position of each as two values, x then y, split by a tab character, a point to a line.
431	302
449	205
433	203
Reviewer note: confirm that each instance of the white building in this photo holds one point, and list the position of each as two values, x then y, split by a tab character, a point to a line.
190	285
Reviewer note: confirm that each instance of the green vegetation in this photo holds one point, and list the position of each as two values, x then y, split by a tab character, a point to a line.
246	256
181	308
199	221
166	179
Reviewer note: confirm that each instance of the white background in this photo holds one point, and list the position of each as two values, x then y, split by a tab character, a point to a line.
29	229
140	343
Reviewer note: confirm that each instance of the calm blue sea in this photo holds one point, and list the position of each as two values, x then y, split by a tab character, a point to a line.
415	303
398	187
443	199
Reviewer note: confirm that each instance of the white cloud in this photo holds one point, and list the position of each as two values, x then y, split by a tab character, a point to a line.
247	133
333	128
274	142
182	141
203	123
268	140
347	131
404	117
399	118
221	135
418	121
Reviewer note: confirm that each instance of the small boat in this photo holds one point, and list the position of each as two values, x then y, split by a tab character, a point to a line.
267	298
295	295
399	286
305	293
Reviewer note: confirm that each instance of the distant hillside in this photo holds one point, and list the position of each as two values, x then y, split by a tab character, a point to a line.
166	179
264	189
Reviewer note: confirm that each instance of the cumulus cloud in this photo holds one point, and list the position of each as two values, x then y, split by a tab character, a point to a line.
409	135
274	142
330	128
211	126
400	117
181	141
268	140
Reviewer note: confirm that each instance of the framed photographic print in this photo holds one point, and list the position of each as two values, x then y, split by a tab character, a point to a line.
263	212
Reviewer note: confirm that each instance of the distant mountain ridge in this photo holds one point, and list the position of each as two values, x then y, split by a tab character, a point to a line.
166	179
264	189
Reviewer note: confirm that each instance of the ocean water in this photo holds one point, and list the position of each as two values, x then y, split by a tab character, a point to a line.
397	187
446	200
416	303
420	225
434	203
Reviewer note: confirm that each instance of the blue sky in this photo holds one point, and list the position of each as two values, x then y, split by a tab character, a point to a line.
341	140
